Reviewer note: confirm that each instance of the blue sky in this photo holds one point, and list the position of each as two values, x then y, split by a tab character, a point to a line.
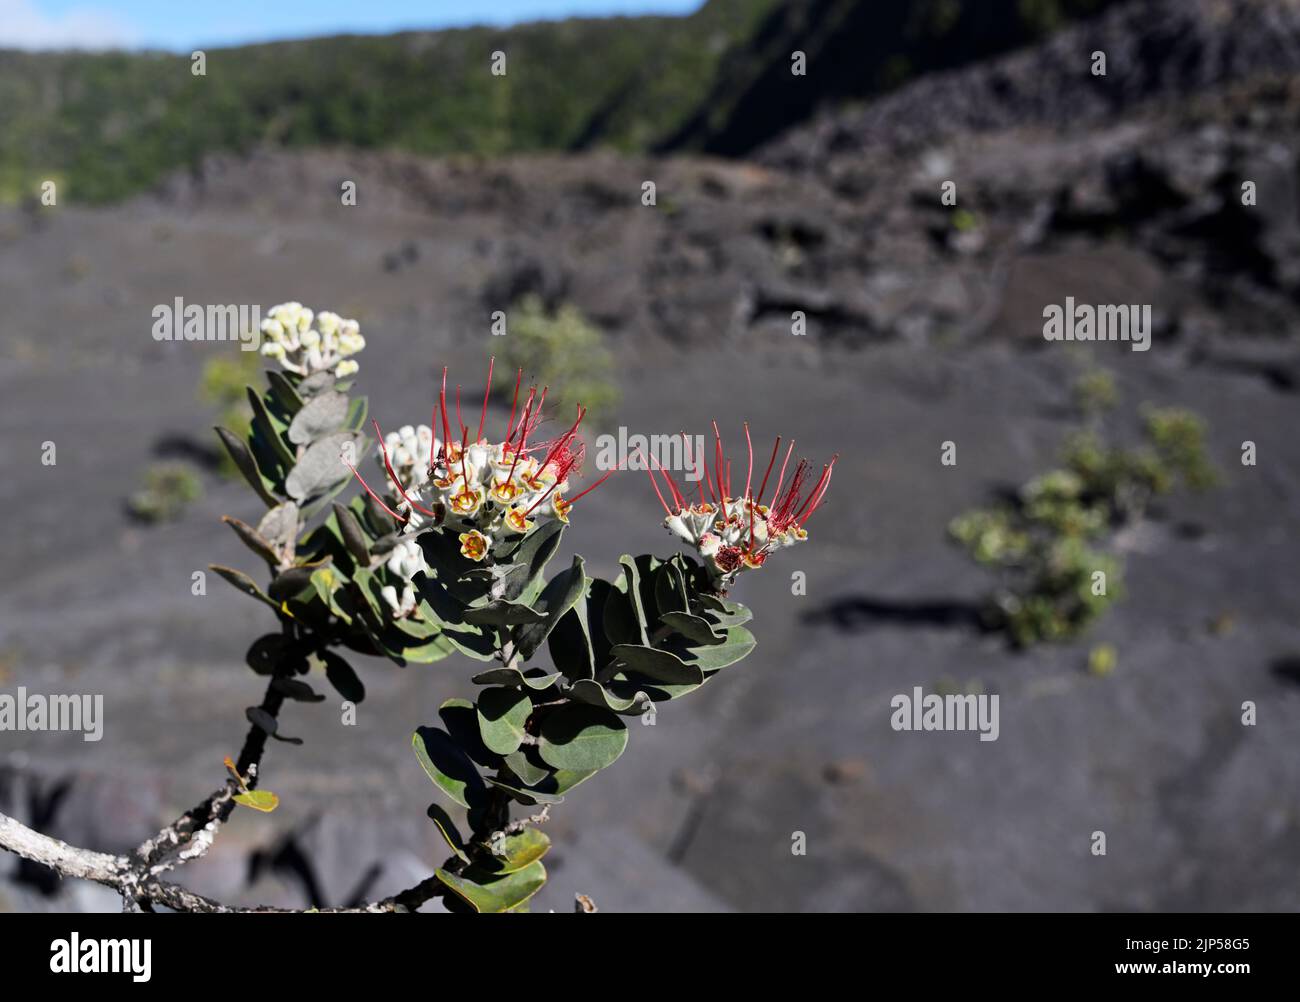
182	25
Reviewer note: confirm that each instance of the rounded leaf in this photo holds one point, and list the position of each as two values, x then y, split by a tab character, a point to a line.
581	738
447	765
502	713
495	892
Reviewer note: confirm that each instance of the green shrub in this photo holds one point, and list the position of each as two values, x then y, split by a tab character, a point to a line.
564	351
168	489
1051	548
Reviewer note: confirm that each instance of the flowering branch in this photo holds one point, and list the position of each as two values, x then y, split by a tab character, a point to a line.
450	557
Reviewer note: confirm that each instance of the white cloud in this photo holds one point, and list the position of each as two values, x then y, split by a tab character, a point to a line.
23	26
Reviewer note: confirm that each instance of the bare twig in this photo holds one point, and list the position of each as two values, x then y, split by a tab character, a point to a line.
141	889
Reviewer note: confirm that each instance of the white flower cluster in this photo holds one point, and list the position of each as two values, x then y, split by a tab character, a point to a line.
405	561
293	341
409	449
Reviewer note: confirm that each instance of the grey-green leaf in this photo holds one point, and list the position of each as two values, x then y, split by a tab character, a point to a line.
502	713
448	766
244	462
581	737
320	467
656	665
557	598
488	892
322	414
447	827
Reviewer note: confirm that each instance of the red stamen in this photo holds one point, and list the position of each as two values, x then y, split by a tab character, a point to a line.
513	404
541	499
392	474
699	483
708	479
459	421
380	501
433	437
537	414
446	425
530	427
717	462
815	492
818	503
563	439
771	461
486	393
593	487
784	505
678	499
781	479
750	475
815	498
654	483
532	391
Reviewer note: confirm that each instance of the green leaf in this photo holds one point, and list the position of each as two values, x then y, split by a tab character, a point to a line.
536	679
570	644
275	654
250	538
557	598
447	612
581	737
530	559
500	614
279	526
329	583
268	431
244	462
488	892
738	643
320	467
321	415
528	796
447	765
292	581
514	852
628	616
245	584
670	590
356	414
502	713
589	691
530	773
342	676
693	628
259	800
317	382
282	392
295	689
724	612
353	536
449	831
460	717
434	649
656	665
564	780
